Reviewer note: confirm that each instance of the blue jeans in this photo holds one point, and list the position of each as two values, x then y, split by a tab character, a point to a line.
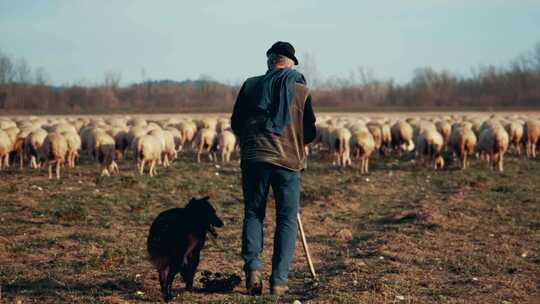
257	178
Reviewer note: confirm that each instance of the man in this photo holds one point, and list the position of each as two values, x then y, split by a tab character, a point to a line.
274	120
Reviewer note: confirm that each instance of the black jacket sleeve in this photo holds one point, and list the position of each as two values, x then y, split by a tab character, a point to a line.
310	130
238	116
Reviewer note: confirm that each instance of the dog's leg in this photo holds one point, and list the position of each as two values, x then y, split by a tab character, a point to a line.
163	282
188	272
192	244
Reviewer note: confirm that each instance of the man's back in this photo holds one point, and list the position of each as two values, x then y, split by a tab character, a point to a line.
258	145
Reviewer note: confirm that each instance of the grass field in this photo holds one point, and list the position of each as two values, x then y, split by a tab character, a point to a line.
418	236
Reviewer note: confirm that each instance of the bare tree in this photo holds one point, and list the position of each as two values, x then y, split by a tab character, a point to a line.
536	57
6	69
112	79
22	71
308	67
41	76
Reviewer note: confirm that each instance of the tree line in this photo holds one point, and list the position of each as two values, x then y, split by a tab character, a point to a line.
26	90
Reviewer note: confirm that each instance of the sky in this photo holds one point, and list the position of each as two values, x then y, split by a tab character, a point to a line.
77	41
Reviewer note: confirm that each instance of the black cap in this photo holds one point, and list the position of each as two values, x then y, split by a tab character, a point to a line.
283	48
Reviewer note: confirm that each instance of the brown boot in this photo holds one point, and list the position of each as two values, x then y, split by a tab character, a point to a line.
254	283
279	289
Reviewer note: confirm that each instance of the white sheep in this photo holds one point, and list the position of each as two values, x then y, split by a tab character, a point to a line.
531	137
177	136
148	151
430	144
445	129
74	146
515	131
168	148
402	136
493	143
55	149
363	145
226	144
188	129
205	140
6	146
462	142
376	131
340	139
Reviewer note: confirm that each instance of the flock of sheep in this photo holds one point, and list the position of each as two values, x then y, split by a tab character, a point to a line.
432	139
47	142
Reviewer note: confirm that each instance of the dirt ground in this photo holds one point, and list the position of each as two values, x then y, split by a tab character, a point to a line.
416	236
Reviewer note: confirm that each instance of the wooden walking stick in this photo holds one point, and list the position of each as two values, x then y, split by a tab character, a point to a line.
306	249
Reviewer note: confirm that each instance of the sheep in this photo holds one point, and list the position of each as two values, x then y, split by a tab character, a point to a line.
188	130
207	123
121	142
340	146
463	143
12	133
88	140
74	145
6	146
493	143
177	136
168	149
402	136
148	150
138	122
363	145
63	128
18	145
223	124
33	147
376	131
135	132
445	128
531	137
205	140
226	144
515	131
96	137
55	149
7	123
431	143
106	154
386	137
